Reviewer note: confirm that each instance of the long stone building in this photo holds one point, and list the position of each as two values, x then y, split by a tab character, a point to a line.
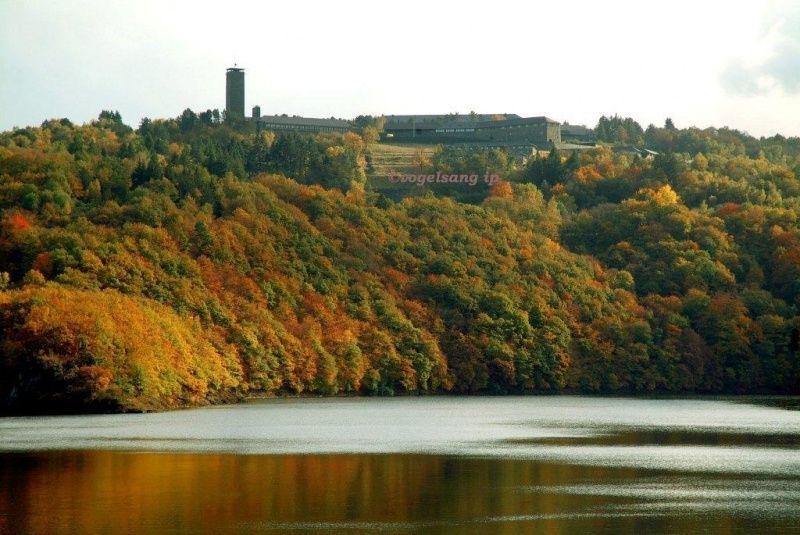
301	124
495	128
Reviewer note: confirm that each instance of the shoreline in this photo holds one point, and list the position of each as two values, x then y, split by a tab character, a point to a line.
792	400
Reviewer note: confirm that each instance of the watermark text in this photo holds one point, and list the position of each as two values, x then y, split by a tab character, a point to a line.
440	178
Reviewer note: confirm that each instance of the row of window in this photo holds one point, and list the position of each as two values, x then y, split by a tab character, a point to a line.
303	127
504	127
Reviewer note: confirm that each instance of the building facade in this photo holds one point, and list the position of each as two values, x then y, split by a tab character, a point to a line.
577	134
497	128
279	123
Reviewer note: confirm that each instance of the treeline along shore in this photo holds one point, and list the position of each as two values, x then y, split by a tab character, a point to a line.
191	261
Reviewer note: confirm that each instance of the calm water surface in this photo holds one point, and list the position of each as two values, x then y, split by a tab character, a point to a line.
409	465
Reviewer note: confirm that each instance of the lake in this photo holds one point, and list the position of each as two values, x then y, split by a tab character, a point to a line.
442	465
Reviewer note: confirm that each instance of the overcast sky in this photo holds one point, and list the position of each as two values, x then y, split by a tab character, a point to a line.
702	63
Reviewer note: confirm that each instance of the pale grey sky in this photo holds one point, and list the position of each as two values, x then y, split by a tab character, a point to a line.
701	62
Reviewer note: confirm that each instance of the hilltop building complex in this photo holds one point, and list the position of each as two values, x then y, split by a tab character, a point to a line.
502	130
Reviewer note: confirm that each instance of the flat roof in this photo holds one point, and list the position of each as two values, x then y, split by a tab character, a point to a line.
303	121
428	125
449	117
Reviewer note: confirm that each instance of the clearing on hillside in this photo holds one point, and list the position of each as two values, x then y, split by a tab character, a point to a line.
384	159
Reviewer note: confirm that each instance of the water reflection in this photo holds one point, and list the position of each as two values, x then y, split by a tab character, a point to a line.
92	492
434	465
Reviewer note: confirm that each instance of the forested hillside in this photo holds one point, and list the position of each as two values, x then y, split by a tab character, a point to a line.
190	261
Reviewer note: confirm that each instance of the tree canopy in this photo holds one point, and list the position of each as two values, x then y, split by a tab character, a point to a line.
191	261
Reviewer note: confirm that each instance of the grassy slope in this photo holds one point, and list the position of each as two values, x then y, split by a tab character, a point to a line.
387	158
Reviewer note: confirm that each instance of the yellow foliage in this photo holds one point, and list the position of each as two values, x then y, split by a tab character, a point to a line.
353	141
159	360
663	196
334	151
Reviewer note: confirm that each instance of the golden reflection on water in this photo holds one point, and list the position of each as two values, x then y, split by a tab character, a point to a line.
94	492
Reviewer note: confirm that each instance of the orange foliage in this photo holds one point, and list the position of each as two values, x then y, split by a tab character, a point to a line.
398	278
728	209
502	190
19	222
587	174
43	264
526	252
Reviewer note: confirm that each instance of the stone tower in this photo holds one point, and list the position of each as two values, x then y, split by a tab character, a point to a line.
234	93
